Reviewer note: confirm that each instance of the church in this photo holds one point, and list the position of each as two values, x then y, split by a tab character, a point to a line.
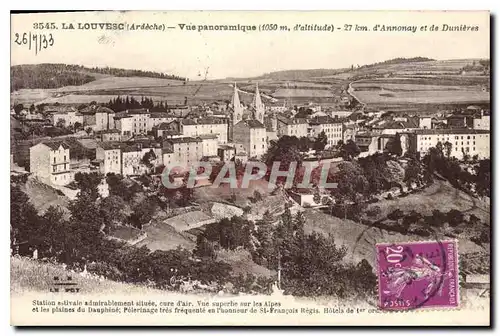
249	132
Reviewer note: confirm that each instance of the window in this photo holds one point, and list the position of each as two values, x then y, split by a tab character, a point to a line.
54	160
64	158
254	147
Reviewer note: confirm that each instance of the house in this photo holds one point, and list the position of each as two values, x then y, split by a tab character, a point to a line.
226	152
463	141
131	160
271	124
396	126
207	125
333	128
140	120
291	127
209	143
340	114
157	118
125	124
460	121
482	122
178	110
80	156
68	118
367	143
108	135
104	119
252	135
108	156
182	152
50	162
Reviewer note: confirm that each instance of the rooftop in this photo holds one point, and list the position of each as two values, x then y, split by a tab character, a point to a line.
291	121
183	140
55	144
109	145
252	123
207	136
110	131
450	131
326	120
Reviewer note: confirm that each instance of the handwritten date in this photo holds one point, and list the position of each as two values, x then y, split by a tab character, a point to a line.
34	41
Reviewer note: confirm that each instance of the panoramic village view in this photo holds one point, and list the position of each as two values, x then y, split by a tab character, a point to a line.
406	140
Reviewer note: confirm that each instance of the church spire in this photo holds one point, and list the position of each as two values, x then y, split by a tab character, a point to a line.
258	105
237	108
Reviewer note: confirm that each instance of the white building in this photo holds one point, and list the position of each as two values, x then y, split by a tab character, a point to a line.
50	162
463	141
182	152
69	118
125	124
104	119
482	123
210	144
332	127
202	126
291	127
252	135
108	154
158	118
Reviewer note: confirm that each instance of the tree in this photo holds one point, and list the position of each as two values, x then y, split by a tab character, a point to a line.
24	221
88	130
304	144
448	147
394	146
320	142
53	230
412	173
257	196
204	248
112	209
351	182
143	212
483	178
264	235
350	150
18	108
61	123
149	158
88	183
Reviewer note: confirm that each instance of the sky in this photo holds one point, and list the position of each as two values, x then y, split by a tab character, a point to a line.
246	54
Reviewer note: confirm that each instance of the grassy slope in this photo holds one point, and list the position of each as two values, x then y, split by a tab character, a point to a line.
360	239
33	276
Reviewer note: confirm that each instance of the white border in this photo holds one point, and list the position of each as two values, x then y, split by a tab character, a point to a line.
198	5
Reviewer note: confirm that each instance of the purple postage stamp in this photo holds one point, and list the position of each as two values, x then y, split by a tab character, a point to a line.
418	275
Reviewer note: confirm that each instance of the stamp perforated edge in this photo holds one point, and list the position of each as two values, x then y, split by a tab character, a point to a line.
423	309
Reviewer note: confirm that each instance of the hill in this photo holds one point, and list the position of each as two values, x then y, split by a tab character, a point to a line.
417	84
50	76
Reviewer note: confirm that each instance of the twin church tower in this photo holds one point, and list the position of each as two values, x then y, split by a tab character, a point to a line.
238	108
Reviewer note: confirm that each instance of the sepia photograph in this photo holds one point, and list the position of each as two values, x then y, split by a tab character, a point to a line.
250	168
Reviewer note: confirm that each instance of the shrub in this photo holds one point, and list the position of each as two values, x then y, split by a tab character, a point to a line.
396	214
373	211
389	196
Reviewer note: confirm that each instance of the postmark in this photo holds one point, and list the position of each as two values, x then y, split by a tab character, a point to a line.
417	275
